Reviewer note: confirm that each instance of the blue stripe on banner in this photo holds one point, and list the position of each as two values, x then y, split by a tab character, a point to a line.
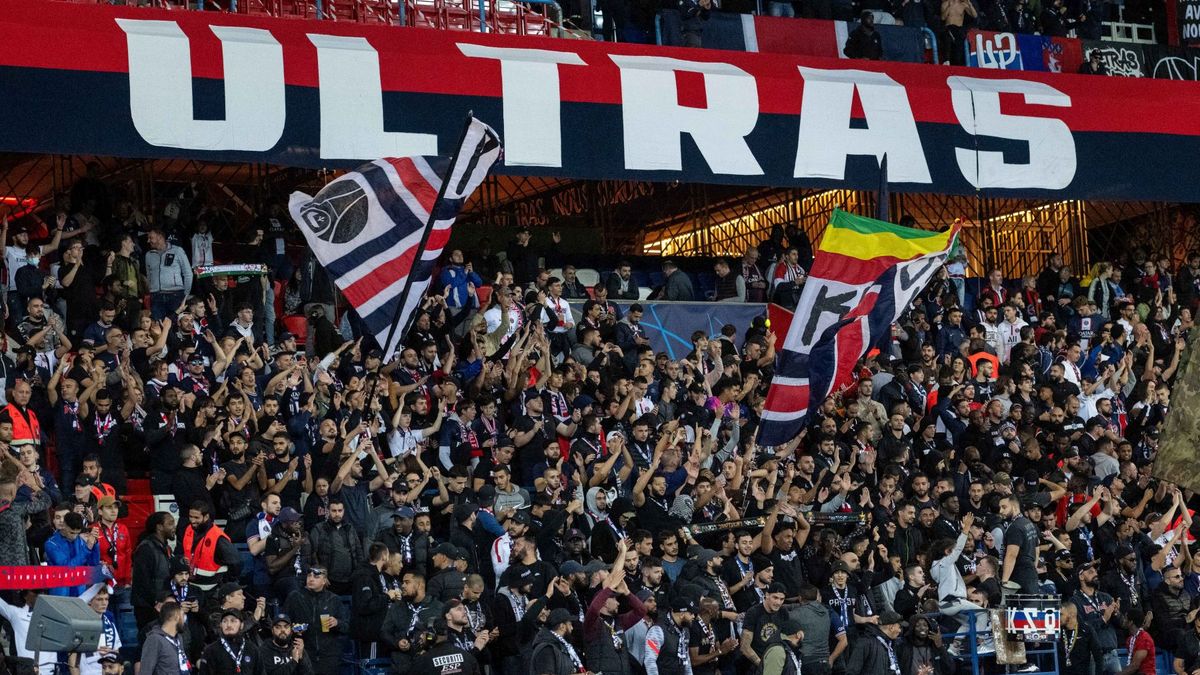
792	364
406	223
380	320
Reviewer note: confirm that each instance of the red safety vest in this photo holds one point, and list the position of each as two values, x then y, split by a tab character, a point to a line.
201	556
26	428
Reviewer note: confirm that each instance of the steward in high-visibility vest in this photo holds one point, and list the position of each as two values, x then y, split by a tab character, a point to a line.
208	550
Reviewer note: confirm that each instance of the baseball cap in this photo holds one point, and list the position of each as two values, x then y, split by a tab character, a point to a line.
288	515
704	555
890	618
573	534
790	627
107	500
570	567
841	566
447	549
464	511
405	512
559	616
521	517
281	617
645	594
683	603
232	612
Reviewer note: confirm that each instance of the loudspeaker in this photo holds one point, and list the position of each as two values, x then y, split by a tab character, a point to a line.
63	625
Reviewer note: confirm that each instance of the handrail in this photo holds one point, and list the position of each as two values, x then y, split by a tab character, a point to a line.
933	43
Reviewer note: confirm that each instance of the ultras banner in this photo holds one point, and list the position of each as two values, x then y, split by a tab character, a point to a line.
125	81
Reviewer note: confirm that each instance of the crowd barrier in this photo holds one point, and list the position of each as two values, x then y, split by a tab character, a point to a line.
984	49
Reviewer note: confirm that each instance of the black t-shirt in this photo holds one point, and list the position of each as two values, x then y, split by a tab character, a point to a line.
278	544
237	501
1024	534
80	296
763	626
1188	650
789	570
706	642
290	495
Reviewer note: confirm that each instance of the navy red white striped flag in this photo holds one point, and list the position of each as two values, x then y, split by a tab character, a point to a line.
378	230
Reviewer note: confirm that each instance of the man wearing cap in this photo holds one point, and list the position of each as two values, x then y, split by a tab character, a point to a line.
325	618
667	641
411	544
1100	612
782	653
284	653
287	553
875	652
516	615
714	587
1126	582
116	546
1062	574
502	549
604	629
232	652
552	653
447	581
762	622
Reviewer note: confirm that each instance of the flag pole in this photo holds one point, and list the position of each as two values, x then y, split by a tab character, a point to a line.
425	236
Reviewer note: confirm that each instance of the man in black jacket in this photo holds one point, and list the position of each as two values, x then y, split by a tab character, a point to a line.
336	545
552	654
864	42
370	600
151	566
407	619
284	653
231	652
326	618
876	651
445	657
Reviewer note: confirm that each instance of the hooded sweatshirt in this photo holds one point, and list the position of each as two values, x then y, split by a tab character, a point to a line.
814	619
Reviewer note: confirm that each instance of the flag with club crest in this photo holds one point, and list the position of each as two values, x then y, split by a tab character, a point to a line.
378	230
864	274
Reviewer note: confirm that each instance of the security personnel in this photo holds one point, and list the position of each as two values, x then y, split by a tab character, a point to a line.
445	657
26	428
208	550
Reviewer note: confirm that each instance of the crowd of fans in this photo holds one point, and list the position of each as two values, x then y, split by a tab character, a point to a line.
526	487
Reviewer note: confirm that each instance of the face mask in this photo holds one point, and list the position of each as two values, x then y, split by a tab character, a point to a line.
34	260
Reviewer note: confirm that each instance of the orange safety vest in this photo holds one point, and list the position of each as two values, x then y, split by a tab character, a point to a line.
202	557
26	430
102	490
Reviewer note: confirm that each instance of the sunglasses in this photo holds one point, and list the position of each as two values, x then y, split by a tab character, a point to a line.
316	573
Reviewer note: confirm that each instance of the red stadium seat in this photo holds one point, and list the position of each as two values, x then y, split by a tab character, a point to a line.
297	324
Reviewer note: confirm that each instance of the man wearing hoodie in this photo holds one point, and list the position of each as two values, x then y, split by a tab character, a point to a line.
814	622
284	654
163	651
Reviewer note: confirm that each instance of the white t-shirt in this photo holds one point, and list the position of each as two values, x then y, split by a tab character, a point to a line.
402	443
15	258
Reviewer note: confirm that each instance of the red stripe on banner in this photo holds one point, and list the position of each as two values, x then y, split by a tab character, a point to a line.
86	38
392	271
803	37
415	181
847	270
787	399
851	343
